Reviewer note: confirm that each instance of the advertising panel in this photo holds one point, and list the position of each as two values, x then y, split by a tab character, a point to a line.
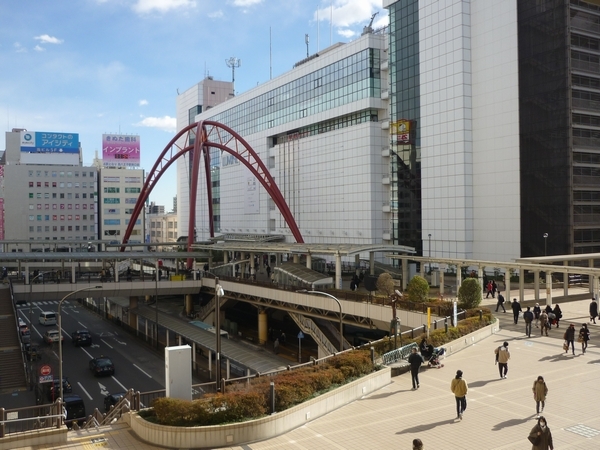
402	129
120	150
45	142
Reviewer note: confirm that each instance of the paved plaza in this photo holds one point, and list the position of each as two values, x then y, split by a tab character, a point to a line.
500	412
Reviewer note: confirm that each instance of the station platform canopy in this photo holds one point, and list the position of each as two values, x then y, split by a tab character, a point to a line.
293	274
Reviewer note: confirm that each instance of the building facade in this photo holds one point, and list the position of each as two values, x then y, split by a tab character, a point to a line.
46	192
163	229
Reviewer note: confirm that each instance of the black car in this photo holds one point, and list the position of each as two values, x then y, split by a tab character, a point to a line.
81	337
53	389
113	399
102	366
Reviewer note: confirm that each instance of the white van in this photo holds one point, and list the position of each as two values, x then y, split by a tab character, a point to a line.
48	318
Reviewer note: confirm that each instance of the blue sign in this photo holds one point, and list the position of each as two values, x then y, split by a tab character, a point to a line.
43	142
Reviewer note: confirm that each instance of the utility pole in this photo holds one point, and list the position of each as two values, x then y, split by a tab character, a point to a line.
233	63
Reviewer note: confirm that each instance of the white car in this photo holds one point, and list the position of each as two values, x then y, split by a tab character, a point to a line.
52	336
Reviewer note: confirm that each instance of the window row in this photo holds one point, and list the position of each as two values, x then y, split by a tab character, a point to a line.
38	229
68	195
56	206
59	217
61	184
61	174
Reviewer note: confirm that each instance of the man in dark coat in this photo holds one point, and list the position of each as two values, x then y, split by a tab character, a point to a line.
516	307
528	318
415	360
593	311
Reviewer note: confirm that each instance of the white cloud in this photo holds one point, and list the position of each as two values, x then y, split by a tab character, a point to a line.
19	48
46	39
347	13
244	3
143	102
37	48
216	15
147	6
165	123
346	33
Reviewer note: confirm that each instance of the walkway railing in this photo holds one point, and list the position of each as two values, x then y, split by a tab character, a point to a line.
398	354
309	327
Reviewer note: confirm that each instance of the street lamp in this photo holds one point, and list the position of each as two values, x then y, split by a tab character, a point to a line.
341	316
545	241
395	321
60	361
218	294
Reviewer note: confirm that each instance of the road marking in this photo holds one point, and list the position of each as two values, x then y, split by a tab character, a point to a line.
148	375
119	383
103	389
86	392
107	343
82	325
86	352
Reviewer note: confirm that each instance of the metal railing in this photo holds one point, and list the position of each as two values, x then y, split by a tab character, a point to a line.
398	354
308	326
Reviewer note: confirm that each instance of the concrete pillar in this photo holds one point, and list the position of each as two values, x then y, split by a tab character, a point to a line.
308	261
521	284
263	323
507	283
441	282
189	303
74	274
194	355
536	285
459	279
210	353
146	326
296	258
210	259
227	369
422	271
548	288
252	268
371	263
480	277
566	280
338	271
404	273
225	257
357	264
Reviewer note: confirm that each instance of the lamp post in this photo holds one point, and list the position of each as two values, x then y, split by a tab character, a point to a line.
429	235
545	242
218	294
341	316
395	321
156	298
60	361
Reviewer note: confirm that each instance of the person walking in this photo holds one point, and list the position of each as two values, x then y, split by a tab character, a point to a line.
502	356
540	390
494	288
459	388
528	318
558	313
541	436
500	302
584	337
536	314
417	444
516	308
544	322
593	311
489	288
569	338
276	346
415	360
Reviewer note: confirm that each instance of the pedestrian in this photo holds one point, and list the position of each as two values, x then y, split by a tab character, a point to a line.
528	318
540	436
536	314
276	346
417	444
459	388
584	337
540	390
516	307
544	322
494	288
500	302
558	313
569	338
489	288
415	360
502	357
593	311
282	338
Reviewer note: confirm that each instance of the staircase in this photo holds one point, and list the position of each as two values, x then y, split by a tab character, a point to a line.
12	367
309	327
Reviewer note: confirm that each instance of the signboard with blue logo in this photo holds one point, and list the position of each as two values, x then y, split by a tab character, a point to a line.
44	142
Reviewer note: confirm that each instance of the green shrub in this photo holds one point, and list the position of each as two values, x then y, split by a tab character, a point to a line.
469	293
417	290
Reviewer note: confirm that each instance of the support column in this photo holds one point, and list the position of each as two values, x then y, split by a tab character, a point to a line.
189	304
566	280
210	259
441	282
252	268
536	285
371	263
225	257
459	279
521	285
422	269
507	283
194	356
263	321
404	274
308	261
357	264
73	274
548	288
210	353
338	271
480	278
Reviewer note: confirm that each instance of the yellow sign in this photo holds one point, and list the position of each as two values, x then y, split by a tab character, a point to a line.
401	128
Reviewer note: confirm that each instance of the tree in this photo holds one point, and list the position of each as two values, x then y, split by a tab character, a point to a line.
417	290
385	284
470	294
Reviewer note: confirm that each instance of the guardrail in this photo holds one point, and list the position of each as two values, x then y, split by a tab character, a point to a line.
398	354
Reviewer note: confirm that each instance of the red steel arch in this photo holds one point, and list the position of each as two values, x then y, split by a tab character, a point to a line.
205	135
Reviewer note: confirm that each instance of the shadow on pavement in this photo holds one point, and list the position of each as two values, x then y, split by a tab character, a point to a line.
386	394
512	423
556	358
482	383
426	427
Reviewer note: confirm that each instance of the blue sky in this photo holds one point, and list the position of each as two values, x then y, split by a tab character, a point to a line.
114	66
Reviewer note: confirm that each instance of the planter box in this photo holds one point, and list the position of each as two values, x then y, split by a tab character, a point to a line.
259	429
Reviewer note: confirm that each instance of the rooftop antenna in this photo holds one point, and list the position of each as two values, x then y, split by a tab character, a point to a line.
331	24
233	62
306	40
368	29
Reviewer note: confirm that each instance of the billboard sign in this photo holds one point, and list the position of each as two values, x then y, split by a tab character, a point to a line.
402	129
120	150
44	142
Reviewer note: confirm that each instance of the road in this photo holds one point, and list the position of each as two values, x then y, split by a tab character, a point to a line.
136	366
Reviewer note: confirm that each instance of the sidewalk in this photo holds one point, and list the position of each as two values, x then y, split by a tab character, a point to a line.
499	416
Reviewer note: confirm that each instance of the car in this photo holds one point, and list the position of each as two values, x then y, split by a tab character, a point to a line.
31	352
81	337
102	366
112	399
47	318
25	335
53	389
75	409
52	336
